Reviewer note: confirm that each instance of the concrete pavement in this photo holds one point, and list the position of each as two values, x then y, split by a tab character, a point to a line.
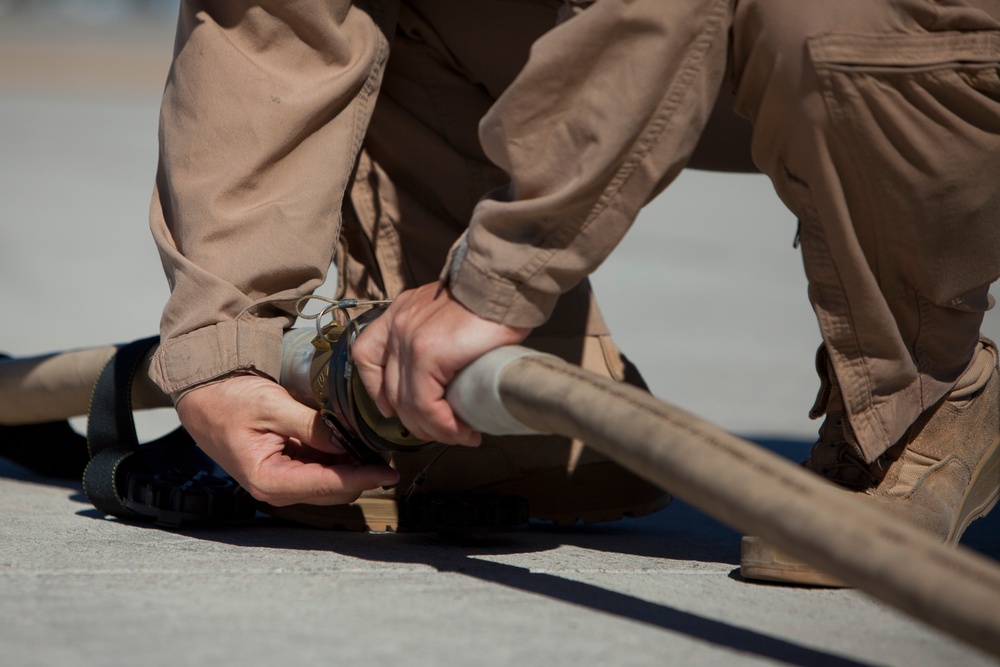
706	295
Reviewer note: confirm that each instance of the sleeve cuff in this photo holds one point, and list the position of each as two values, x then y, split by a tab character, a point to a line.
491	296
208	354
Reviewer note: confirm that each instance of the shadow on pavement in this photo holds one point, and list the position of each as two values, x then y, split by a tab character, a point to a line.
471	559
679	533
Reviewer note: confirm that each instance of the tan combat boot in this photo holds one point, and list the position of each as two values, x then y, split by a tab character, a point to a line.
941	476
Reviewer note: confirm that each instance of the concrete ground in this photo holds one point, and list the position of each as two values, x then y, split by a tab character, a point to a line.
707	295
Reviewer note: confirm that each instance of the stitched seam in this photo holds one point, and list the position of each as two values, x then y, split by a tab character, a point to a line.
842	336
898	50
660	121
362	112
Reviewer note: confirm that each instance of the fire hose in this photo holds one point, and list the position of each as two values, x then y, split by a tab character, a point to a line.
741	485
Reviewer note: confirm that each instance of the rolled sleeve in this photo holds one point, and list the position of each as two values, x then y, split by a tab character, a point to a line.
492	296
215	351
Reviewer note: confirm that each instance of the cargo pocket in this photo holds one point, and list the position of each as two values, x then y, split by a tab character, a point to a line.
914	123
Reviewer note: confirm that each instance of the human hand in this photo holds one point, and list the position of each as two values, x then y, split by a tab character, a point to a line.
278	449
407	357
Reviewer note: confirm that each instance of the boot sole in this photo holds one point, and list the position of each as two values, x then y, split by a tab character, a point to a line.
381	515
761	561
371	515
594	493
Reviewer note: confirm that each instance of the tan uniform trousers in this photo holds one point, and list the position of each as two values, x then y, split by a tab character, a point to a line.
889	153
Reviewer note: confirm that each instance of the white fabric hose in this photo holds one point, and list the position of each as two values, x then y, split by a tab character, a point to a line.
57	386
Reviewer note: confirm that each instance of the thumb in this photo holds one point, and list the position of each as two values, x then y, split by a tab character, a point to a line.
307	425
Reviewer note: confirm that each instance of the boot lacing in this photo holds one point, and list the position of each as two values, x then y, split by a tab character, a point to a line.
837	455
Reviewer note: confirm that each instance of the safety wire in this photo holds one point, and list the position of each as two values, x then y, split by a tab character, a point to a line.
334	307
421	476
